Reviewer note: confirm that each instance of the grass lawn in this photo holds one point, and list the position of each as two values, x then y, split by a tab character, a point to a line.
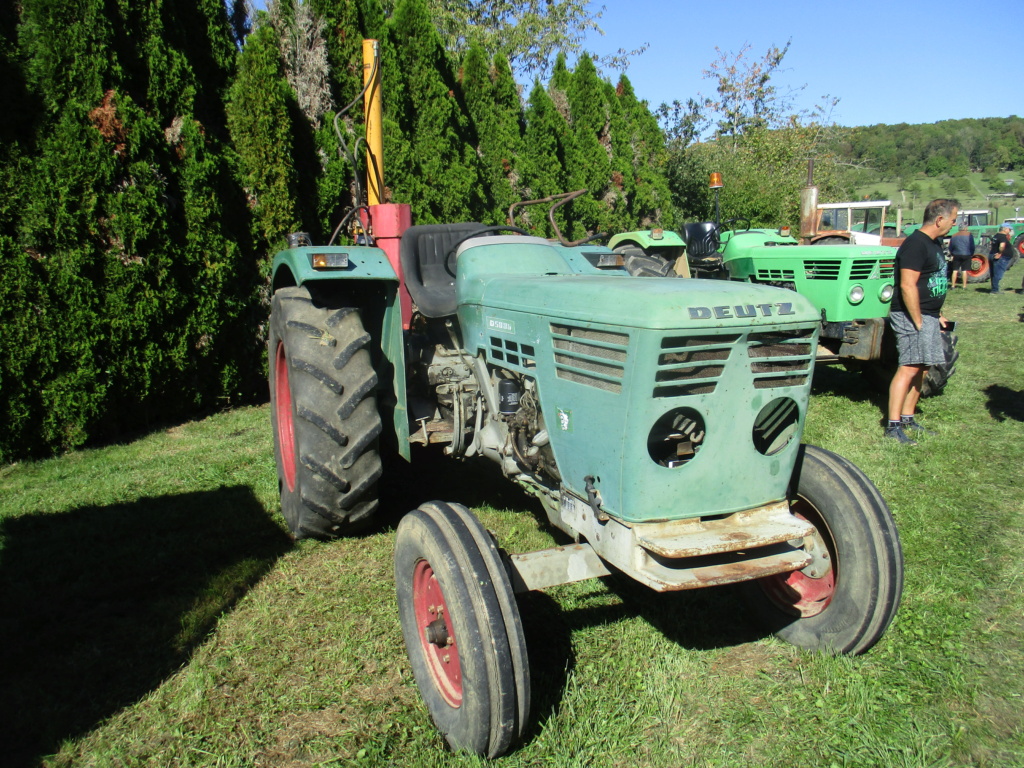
155	612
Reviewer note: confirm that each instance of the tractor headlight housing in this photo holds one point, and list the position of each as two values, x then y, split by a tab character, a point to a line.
856	294
886	293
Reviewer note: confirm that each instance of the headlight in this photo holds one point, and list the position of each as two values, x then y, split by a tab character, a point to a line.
886	293
856	295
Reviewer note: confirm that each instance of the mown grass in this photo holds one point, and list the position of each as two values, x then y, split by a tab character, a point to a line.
154	612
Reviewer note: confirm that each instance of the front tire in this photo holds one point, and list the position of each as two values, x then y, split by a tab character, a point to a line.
462	628
845	599
323	409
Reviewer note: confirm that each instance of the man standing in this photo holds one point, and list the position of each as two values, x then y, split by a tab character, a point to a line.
999	256
961	248
915	315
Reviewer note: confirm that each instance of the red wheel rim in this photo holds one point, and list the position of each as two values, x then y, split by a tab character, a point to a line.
797	592
283	417
1020	246
437	639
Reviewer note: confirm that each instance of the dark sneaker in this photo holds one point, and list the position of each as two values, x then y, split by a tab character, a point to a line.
913	426
897	433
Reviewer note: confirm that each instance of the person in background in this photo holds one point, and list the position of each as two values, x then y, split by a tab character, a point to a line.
915	315
961	248
999	256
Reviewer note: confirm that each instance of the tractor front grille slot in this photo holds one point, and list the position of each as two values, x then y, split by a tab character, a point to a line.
510	352
822	269
872	269
776	274
691	365
780	358
590	356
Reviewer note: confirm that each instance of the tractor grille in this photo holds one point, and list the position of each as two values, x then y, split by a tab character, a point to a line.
776	274
780	358
822	269
510	352
589	356
872	269
691	365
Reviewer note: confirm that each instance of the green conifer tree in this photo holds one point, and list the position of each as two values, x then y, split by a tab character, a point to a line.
639	155
493	105
590	165
545	157
260	124
436	170
126	321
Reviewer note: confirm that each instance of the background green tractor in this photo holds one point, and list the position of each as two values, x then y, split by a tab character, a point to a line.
658	422
850	285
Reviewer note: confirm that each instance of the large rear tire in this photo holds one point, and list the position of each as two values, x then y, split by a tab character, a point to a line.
1018	249
642	263
323	408
979	271
938	375
845	599
462	628
879	373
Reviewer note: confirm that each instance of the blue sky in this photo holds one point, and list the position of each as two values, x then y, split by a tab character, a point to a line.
901	61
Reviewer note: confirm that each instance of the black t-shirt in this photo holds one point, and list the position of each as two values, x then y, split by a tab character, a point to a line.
922	254
1000	238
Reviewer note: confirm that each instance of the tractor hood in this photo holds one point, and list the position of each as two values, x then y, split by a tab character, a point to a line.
650	386
653	303
844	282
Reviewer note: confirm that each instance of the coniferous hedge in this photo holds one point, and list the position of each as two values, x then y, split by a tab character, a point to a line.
151	164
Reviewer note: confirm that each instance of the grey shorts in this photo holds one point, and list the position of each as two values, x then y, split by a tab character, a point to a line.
916	347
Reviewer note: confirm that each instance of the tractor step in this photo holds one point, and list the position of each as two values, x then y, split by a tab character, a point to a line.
679	554
767	525
669	556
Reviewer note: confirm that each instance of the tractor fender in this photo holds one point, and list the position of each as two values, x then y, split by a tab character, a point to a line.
361	277
295	266
648	238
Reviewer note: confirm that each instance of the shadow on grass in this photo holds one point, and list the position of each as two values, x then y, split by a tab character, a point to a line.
698	619
1005	403
100	604
870	385
432	476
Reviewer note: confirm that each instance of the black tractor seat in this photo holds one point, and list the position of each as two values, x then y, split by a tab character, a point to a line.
701	239
423	252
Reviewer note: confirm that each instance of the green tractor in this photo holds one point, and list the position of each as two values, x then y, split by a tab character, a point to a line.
658	422
849	285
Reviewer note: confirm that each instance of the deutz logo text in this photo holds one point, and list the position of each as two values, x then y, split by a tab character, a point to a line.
741	310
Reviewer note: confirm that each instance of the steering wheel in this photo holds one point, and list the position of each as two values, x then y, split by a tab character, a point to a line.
737	220
449	257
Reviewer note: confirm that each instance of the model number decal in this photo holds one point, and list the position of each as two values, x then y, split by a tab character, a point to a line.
725	311
504	326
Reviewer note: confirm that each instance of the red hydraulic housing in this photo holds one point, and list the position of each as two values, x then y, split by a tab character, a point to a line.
387	221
